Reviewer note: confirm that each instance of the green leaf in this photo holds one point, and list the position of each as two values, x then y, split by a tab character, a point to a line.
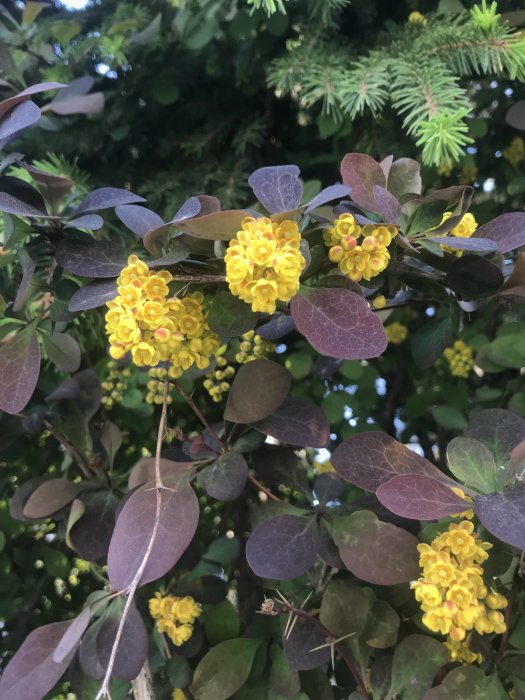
221	622
449	417
284	680
179	671
416	661
467	683
224	669
299	364
507	351
111	439
333	406
426	217
472	463
344	608
382	626
429	341
229	316
351	369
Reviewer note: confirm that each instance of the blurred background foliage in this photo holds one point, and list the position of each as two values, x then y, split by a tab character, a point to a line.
198	94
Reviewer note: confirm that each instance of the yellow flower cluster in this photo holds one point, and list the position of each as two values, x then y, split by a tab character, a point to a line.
156	386
460	359
451	590
174	616
445	168
216	383
253	347
264	263
417	18
114	384
155	328
396	333
464	229
515	153
361	260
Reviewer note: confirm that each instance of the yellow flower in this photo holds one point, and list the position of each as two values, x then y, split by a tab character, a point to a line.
460	359
460	596
179	694
427	593
144	354
515	153
496	601
464	229
379	302
187	610
417	18
396	333
264	263
129	295
155	287
180	634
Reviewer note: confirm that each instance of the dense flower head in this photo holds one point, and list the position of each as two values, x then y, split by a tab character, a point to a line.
417	18
156	386
515	153
264	262
174	616
460	359
253	347
396	333
452	592
360	252
114	384
154	327
464	229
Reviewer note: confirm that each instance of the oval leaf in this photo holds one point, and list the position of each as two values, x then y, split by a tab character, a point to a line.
19	370
479	245
419	497
507	231
220	226
472	463
51	496
277	187
107	197
297	422
63	350
92	295
90	258
283	547
224	669
498	429
307	634
32	673
72	637
179	515
138	219
133	646
226	477
258	389
229	316
503	514
370	459
338	323
361	173
375	551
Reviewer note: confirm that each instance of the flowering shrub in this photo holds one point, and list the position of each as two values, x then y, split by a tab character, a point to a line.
272	509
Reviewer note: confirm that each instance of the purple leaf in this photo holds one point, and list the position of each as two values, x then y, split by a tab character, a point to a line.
144	471
498	429
77	104
107	198
420	497
192	207
516	115
23	193
503	514
179	515
283	547
327	195
370	459
258	389
307	634
361	173
480	245
220	226
91	534
297	422
338	323
138	219
50	497
404	177
209	205
328	487
13	205
507	231
375	551
91	258
32	673
277	187
19	370
7	104
277	327
226	477
89	222
92	295
63	351
79	86
175	254
72	637
386	204
24	290
21	117
133	647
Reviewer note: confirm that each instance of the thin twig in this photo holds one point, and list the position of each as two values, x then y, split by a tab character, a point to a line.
263	489
131	589
70	449
191	403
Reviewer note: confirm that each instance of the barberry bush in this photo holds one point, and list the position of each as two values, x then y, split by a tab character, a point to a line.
274	451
